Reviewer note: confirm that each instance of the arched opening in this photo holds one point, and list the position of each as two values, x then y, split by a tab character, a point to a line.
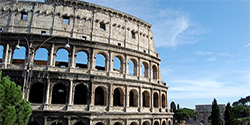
163	123
163	98
144	71
145	99
133	123
146	123
132	67
100	62
154	72
118	123
81	60
62	58
80	96
99	96
156	123
133	98
36	93
156	100
79	123
118	97
33	123
41	56
56	123
99	123
1	53
117	64
59	94
19	55
169	122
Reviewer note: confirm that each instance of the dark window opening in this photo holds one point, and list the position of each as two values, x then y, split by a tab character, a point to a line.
65	20
99	96
156	123
43	32
117	98
84	37
145	99
79	123
169	122
33	123
163	101
154	72
133	98
133	123
144	51
163	123
36	93
102	26
59	94
81	92
1	30
24	16
117	123
145	123
119	44
155	100
99	123
133	34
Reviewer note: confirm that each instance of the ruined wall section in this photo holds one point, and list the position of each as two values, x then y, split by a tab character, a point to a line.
79	20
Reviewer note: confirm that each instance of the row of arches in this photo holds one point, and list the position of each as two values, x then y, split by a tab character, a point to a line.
100	123
82	59
81	92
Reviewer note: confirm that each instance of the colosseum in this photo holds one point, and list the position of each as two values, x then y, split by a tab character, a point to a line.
82	64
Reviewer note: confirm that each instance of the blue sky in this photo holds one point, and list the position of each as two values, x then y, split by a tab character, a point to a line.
204	46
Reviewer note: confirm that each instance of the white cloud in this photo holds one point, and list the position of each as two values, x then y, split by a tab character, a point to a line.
211	59
202	53
225	54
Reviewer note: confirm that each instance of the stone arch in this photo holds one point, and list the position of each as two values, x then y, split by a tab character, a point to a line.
145	99
82	59
80	96
146	123
164	123
133	98
169	122
132	67
163	101
117	123
101	61
154	72
33	123
36	93
19	54
99	123
118	97
156	100
62	58
133	123
41	56
59	94
117	63
79	123
156	123
100	96
144	71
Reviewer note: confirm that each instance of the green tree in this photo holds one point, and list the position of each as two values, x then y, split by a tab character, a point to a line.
172	106
13	109
229	116
215	114
184	114
242	113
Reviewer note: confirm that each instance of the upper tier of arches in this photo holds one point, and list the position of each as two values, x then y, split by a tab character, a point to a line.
78	20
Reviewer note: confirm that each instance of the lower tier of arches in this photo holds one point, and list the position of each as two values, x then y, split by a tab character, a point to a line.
81	118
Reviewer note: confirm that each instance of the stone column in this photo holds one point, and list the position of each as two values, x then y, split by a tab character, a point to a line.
52	56
126	98
151	101
111	62
72	59
140	99
70	92
6	56
47	92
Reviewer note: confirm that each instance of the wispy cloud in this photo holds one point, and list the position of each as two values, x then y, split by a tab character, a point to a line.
212	59
245	46
202	53
175	28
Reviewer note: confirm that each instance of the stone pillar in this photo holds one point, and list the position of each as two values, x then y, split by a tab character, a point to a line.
140	99
151	101
110	98
72	59
45	120
6	56
150	71
92	61
126	98
68	120
70	92
139	69
111	62
52	56
47	92
125	66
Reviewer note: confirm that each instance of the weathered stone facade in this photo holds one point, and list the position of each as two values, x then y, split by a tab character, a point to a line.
72	92
203	113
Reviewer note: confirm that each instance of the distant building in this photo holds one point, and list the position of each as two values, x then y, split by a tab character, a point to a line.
203	114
